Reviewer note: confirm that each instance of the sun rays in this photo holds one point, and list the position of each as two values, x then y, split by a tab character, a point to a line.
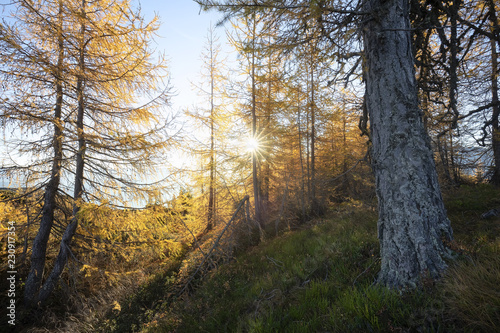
256	146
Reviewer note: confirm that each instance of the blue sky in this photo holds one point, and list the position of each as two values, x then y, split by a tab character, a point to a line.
182	37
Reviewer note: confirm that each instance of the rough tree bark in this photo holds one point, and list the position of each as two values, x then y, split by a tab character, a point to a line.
412	219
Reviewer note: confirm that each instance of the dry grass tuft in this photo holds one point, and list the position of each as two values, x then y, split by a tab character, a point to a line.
80	313
472	293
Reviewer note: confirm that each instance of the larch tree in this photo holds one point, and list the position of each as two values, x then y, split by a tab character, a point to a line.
211	187
413	227
247	41
114	65
49	284
454	47
212	118
35	61
441	47
109	121
255	134
313	73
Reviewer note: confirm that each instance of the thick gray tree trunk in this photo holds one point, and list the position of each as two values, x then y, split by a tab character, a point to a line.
412	219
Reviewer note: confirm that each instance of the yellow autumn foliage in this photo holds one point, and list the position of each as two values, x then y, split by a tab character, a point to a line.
123	241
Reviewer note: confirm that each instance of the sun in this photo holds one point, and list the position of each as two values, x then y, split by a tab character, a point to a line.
252	145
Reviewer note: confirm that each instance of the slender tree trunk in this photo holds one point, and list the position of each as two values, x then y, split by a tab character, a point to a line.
454	49
301	159
412	218
211	194
266	174
443	155
424	77
39	249
255	178
454	41
211	190
64	249
313	199
308	152
345	179
495	138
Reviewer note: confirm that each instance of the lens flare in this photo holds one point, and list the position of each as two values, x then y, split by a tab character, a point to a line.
252	145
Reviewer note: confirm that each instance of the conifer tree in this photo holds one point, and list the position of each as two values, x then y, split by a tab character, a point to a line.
212	118
412	218
113	64
247	41
29	63
110	95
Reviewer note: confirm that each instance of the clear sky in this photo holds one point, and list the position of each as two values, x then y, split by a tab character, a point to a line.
182	37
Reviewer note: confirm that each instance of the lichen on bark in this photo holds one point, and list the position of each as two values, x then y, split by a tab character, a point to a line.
412	219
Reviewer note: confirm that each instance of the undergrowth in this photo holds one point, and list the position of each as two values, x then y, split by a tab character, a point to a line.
316	280
321	278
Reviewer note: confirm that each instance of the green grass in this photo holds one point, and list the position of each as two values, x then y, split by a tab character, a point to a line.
465	206
321	279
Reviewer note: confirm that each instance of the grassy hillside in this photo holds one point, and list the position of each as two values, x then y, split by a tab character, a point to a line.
320	278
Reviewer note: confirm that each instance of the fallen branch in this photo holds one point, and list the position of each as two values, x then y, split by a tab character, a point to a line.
206	257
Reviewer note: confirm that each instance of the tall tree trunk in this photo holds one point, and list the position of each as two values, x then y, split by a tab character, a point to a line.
255	179
64	249
308	152
266	174
443	155
412	218
211	190
301	159
495	137
454	49
313	199
453	69
345	178
39	249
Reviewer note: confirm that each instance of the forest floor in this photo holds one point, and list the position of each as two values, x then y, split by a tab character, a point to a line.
320	278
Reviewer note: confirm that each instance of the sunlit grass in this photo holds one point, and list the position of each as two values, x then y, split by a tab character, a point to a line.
289	284
321	279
